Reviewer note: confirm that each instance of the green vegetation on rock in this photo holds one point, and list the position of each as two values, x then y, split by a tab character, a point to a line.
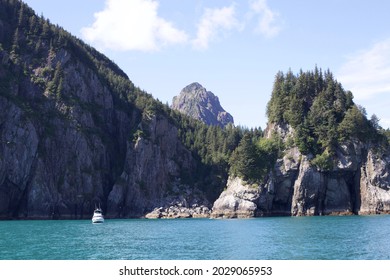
321	112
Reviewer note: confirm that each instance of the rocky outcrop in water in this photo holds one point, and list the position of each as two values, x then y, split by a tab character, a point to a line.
181	202
195	101
359	183
239	200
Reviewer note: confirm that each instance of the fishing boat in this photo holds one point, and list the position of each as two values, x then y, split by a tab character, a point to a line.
97	216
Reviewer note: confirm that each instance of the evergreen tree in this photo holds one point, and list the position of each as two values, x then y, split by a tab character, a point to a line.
374	121
244	161
355	125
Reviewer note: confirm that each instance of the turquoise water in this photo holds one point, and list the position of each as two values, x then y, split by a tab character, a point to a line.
355	237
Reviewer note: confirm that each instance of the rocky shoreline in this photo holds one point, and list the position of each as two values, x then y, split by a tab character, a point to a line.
175	212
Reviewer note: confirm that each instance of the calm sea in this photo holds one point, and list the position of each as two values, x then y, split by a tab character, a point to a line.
355	237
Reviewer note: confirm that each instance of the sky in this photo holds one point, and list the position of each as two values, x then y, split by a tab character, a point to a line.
235	48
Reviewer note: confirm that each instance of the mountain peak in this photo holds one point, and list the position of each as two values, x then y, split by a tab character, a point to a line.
195	101
193	86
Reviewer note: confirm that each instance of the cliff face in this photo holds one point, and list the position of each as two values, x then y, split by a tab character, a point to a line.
151	176
359	183
195	101
375	185
56	160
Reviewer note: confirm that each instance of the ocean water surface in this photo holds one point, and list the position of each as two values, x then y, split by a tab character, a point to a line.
276	238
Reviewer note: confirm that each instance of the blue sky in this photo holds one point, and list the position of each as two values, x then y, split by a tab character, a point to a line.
235	48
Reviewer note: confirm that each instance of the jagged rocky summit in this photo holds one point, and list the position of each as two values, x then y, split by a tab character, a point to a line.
195	101
359	183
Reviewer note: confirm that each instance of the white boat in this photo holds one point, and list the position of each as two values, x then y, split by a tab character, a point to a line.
97	216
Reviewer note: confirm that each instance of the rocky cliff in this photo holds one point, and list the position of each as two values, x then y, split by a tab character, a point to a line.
75	132
151	176
358	183
195	101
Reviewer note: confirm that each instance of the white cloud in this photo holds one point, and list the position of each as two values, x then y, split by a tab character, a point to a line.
212	23
132	25
367	73
267	22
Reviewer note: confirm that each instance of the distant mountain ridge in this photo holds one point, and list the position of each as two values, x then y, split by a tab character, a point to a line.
195	101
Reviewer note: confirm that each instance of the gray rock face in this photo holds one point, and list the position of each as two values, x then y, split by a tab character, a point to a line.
19	147
150	164
62	153
237	201
359	183
316	193
375	185
52	153
195	101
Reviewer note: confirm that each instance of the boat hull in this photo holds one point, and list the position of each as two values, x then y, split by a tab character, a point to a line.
97	217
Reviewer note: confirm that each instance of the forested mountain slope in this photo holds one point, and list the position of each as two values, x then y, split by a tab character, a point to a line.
76	132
